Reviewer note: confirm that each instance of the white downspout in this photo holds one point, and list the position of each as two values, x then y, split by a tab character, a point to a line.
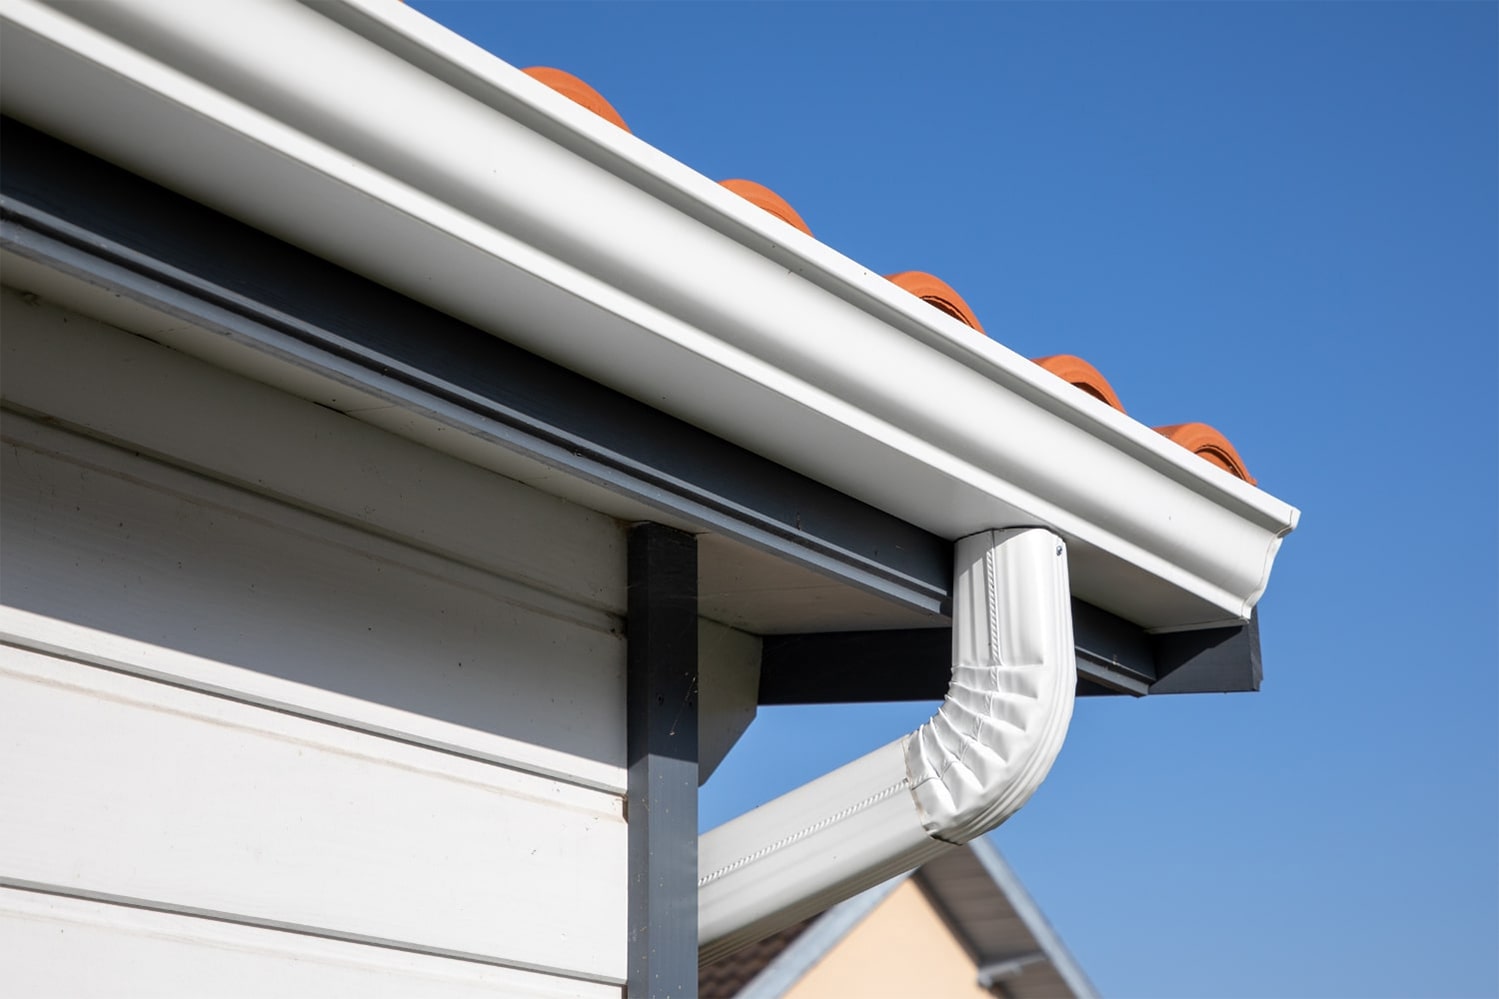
959	775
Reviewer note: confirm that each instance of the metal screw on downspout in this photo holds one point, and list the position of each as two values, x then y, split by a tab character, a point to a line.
1059	549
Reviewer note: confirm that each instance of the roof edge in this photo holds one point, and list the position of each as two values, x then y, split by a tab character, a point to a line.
1003	875
826	932
703	323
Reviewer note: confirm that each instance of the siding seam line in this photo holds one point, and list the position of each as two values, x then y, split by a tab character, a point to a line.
167	908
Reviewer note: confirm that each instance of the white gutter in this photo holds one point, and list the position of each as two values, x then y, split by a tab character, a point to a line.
973	765
370	135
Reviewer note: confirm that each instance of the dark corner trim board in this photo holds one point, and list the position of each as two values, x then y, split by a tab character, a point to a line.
661	699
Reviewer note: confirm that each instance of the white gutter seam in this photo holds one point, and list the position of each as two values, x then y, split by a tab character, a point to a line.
967	769
801	834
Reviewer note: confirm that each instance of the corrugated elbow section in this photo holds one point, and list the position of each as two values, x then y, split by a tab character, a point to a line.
993	740
973	765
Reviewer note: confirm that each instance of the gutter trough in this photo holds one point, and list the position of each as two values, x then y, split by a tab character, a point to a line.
503	204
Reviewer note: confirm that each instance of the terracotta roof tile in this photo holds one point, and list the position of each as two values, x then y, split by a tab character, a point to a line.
1078	372
763	197
938	292
1199	438
1205	442
725	977
577	91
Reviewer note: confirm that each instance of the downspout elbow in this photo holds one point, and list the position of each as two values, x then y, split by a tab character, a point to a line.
961	774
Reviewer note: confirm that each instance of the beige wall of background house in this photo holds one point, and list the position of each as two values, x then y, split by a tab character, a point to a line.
904	948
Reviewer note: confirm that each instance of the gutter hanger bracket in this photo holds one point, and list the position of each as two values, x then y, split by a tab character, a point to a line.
959	775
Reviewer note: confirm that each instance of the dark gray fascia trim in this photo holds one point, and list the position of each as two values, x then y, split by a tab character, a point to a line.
1211	660
916	665
69	210
80	214
1113	657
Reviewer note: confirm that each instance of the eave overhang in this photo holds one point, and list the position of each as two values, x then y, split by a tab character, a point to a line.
498	202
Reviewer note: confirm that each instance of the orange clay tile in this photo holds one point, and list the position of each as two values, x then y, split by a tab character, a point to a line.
1205	442
1083	375
763	197
935	291
1199	438
577	91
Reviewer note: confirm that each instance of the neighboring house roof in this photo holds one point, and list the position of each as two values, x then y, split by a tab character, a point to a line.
1199	438
1004	945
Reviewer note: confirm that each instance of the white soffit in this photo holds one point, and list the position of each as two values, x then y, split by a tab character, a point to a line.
455	179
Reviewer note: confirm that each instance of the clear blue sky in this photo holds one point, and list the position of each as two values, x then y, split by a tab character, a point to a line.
1279	219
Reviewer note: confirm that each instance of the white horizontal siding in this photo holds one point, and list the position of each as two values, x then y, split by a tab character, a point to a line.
68	948
132	787
287	705
109	383
398	639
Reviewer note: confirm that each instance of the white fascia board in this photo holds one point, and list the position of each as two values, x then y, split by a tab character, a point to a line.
366	133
